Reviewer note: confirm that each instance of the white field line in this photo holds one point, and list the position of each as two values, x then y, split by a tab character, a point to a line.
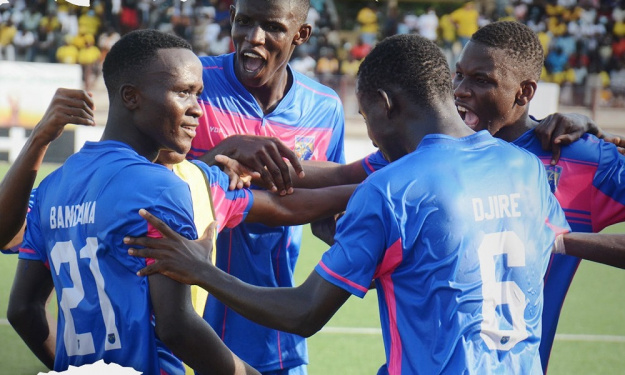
377	331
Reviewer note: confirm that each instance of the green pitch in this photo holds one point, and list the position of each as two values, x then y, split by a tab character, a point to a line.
591	335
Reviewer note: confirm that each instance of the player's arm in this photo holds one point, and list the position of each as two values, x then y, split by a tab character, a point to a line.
318	173
264	155
186	334
301	207
608	249
27	313
302	310
561	129
67	106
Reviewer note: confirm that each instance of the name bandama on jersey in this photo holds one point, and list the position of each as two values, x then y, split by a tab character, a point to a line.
81	214
457	250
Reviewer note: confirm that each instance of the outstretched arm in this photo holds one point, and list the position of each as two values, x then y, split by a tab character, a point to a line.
318	173
302	310
27	313
301	207
603	248
67	106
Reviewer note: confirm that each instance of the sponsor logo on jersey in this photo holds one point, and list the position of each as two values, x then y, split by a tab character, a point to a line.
304	147
553	175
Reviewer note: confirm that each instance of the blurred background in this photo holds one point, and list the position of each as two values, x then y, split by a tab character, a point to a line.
583	41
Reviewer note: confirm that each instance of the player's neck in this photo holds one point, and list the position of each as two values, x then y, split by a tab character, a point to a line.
269	95
122	131
512	132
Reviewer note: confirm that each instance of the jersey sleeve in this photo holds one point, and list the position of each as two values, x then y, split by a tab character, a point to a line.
33	246
15	249
608	196
374	162
231	206
363	235
174	208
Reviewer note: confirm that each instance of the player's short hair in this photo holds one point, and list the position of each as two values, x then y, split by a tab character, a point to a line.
133	53
301	7
519	42
410	62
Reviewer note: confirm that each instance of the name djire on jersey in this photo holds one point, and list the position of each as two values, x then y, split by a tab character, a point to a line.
70	216
496	207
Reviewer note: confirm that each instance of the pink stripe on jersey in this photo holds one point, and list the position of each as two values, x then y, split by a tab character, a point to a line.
318	92
229	212
392	259
27	251
341	278
213	67
556	229
611	211
216	125
152	233
369	164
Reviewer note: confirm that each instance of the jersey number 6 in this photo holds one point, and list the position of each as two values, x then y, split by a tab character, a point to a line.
497	293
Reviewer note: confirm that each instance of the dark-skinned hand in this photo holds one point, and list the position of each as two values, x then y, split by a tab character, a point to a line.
175	256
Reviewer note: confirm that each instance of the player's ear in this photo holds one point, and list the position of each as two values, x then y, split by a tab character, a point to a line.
526	92
387	102
130	96
302	35
233	11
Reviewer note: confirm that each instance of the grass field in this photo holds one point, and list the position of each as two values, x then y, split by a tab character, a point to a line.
591	334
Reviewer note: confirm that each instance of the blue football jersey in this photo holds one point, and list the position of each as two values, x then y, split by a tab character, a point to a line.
587	182
81	214
309	119
457	236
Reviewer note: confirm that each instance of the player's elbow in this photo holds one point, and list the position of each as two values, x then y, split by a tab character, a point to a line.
307	328
304	324
171	335
19	313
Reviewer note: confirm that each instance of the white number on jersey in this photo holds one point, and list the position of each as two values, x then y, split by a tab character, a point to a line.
496	293
82	343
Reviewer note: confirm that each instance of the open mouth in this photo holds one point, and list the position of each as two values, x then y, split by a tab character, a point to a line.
252	63
469	117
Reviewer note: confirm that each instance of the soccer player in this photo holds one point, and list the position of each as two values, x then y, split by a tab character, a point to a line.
430	229
495	81
252	92
208	185
81	212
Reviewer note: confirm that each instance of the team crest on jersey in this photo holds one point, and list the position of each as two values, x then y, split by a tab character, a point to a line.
553	175
304	147
111	338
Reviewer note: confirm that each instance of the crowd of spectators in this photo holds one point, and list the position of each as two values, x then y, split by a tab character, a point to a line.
584	41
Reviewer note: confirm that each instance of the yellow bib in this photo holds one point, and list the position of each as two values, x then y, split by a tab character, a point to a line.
203	214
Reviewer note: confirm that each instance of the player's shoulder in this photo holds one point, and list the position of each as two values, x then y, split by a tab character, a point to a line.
590	149
211	173
310	87
213	62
